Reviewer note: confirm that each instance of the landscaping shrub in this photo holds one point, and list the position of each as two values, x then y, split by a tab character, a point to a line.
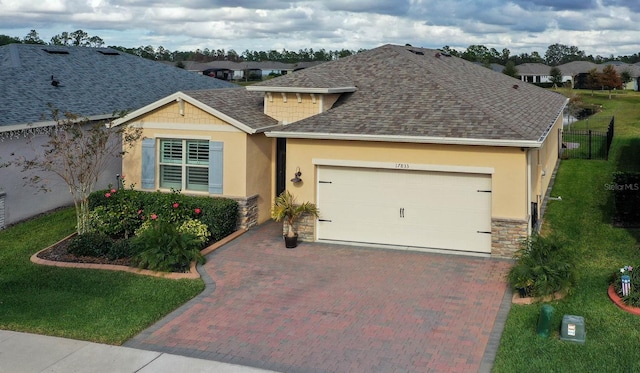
626	191
122	248
133	206
90	244
542	268
162	247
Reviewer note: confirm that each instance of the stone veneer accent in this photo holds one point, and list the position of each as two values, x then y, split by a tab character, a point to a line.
305	226
2	197
506	236
247	211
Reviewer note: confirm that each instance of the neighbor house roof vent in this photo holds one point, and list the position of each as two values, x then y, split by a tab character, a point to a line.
56	51
419	53
109	53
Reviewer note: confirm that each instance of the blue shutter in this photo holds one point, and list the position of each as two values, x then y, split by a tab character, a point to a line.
148	163
215	166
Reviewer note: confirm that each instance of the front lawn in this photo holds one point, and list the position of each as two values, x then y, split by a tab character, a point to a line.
99	306
583	220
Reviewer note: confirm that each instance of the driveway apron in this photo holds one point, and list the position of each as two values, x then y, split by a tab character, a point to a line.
338	308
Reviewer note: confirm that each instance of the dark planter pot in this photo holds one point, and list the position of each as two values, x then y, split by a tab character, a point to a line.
522	292
291	242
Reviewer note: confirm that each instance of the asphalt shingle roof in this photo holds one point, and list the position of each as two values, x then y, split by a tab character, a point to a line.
239	104
92	82
408	91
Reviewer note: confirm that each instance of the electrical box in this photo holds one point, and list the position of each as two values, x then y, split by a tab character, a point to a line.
573	329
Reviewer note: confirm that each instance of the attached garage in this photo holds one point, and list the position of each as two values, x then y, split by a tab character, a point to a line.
404	206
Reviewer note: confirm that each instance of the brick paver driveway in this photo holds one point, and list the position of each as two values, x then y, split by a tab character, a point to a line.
335	308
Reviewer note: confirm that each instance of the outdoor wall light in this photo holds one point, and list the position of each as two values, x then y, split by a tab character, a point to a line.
297	178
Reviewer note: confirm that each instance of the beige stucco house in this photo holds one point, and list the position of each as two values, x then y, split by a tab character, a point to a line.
398	146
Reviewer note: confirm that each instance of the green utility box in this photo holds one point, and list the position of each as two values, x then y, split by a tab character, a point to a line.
573	329
544	321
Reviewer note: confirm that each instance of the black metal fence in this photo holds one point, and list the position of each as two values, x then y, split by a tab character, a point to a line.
587	144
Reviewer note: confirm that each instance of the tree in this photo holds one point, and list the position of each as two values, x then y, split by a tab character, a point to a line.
6	39
556	76
558	54
510	69
32	38
593	79
625	76
61	39
77	151
610	79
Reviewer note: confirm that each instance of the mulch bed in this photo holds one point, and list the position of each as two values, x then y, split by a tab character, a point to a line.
58	253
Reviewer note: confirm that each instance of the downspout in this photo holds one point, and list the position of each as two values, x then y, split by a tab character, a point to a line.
528	177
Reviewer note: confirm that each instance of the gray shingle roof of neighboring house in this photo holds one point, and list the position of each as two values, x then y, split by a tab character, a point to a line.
92	82
533	69
583	67
414	92
576	67
239	104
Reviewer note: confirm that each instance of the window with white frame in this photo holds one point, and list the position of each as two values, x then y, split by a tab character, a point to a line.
184	164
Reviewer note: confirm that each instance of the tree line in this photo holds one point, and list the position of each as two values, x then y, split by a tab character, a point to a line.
556	54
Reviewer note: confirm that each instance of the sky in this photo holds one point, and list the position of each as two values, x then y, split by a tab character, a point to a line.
597	27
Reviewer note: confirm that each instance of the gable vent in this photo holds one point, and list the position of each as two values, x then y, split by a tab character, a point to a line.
109	53
56	51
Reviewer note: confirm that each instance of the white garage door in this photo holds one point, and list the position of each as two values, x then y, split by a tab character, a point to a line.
420	209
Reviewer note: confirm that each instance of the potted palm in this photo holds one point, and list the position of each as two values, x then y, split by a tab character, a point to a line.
285	208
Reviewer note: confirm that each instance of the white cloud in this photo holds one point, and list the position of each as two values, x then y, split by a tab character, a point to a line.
596	26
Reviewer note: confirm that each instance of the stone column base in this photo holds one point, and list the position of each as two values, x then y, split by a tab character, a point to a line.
506	236
247	211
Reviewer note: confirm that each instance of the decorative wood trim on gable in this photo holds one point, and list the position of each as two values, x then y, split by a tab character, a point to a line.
181	105
313	98
284	97
269	96
299	96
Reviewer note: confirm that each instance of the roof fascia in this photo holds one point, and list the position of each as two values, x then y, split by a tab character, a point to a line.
301	89
409	139
49	123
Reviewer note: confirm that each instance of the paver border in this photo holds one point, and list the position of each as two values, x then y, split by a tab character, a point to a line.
192	274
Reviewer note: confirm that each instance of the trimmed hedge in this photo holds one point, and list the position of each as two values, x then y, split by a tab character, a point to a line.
219	214
626	192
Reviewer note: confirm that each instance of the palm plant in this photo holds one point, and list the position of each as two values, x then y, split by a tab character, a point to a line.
285	207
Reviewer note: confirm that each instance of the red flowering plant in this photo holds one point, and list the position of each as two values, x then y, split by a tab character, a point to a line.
118	217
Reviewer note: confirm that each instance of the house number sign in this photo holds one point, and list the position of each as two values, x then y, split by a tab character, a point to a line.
402	165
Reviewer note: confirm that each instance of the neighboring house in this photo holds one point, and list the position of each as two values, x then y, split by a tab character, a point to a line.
398	146
579	71
538	73
247	70
91	82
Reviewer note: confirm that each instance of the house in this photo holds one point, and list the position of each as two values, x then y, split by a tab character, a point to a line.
398	146
92	82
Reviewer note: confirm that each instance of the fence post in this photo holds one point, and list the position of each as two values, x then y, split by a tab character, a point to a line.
589	144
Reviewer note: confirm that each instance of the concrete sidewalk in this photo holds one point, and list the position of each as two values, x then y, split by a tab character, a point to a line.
26	353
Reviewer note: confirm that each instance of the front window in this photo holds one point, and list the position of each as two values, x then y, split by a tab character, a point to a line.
184	164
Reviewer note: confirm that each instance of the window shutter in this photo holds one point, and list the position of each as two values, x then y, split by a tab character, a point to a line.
148	163
215	167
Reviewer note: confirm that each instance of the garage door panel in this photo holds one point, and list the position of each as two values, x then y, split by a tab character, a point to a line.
403	207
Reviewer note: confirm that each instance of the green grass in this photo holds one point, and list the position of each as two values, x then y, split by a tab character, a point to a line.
99	306
583	219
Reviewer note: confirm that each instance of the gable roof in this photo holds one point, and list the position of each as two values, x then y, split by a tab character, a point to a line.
236	106
403	93
92	82
532	68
